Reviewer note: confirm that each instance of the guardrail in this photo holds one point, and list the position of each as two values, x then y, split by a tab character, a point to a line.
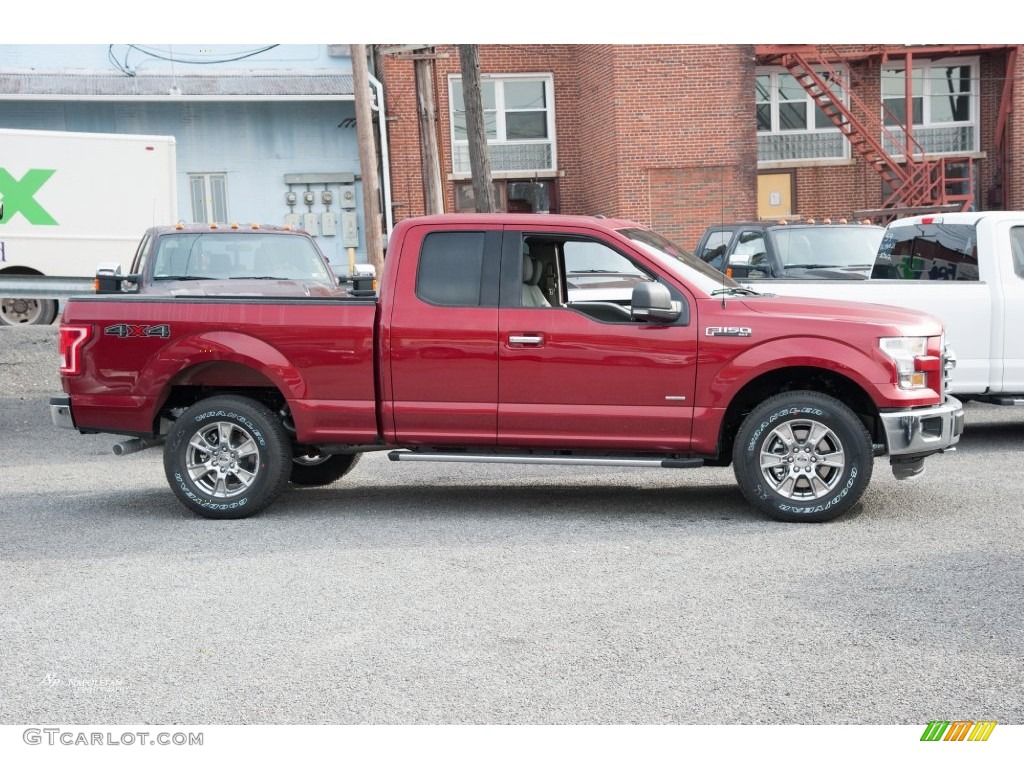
45	287
62	288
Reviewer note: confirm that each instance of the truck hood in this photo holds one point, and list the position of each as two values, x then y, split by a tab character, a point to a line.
243	287
910	322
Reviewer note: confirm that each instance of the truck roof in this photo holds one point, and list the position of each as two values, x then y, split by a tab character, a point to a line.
776	224
229	229
526	219
957	217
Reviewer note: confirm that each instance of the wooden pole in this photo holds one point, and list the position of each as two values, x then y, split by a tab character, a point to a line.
367	159
433	197
479	158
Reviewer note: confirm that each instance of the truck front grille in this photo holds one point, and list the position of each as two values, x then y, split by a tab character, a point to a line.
948	366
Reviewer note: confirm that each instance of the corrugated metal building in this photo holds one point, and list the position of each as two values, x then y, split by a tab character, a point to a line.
252	123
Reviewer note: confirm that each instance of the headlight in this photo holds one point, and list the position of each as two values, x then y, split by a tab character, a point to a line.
910	354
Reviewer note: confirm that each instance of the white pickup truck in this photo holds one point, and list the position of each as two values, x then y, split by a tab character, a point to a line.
967	269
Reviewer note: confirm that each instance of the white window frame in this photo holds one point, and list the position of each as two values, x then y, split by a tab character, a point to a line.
499	80
774	73
926	66
207	198
810	127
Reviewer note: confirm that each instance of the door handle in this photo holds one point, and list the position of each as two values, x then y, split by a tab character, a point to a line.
532	341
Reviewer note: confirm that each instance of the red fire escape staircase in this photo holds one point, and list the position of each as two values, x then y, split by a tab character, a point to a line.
914	181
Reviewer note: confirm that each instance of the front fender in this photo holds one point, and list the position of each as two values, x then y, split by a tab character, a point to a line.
722	375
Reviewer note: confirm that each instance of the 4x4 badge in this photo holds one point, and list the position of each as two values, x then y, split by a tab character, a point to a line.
125	331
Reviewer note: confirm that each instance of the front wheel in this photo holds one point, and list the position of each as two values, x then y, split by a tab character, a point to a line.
323	469
802	457
227	457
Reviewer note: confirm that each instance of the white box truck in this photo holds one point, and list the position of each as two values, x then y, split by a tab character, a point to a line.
74	200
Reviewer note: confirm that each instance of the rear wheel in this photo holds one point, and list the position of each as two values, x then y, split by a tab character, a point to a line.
227	457
19	311
323	469
803	457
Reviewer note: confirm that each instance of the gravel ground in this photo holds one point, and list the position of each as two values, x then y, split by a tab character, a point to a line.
437	593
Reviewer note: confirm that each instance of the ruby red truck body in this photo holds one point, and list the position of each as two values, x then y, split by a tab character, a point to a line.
450	361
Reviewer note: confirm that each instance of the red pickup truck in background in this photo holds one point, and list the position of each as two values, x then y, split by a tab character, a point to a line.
494	339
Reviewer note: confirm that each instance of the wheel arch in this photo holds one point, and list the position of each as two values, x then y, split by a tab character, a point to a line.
823	380
209	364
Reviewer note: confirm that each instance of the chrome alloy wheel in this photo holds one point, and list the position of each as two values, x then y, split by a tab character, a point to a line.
222	459
311	461
802	460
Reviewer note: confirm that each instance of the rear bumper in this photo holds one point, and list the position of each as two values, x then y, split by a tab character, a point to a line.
60	412
923	431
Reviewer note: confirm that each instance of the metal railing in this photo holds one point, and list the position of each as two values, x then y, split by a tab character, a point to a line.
45	286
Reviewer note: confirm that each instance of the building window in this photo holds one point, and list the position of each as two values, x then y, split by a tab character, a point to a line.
209	195
519	122
790	126
512	195
944	106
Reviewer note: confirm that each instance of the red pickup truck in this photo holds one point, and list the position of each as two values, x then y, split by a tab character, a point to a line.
476	350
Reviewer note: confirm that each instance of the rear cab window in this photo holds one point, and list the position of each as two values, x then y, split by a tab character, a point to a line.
933	251
459	269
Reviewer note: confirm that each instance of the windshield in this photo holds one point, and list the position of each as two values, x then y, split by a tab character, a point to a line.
680	262
826	247
234	256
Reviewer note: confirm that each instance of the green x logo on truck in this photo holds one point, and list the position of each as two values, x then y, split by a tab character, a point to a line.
19	196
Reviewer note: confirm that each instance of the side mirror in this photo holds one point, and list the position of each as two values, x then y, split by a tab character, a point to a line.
363	282
110	280
739	271
652	303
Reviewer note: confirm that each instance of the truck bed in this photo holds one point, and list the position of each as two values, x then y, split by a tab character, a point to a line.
319	352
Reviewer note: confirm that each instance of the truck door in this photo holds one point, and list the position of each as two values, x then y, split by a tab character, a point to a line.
1013	306
574	370
441	338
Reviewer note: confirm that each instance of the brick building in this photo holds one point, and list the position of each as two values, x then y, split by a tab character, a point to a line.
680	136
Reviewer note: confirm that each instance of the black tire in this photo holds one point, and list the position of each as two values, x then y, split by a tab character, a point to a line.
322	470
18	311
824	457
227	457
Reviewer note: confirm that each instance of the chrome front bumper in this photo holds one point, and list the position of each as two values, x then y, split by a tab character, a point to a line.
60	412
922	431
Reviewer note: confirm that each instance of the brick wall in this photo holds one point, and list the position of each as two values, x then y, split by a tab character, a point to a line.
1014	199
400	89
665	134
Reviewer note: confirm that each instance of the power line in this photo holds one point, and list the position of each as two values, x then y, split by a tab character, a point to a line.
124	67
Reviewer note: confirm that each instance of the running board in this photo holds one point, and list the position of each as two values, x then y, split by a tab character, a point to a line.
1000	399
593	461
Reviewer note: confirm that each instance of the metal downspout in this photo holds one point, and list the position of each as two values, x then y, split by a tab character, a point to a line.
378	89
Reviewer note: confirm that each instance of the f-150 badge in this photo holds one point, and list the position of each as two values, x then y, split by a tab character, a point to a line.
125	331
726	330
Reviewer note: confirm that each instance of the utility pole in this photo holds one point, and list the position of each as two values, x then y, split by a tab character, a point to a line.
367	158
479	158
433	198
423	57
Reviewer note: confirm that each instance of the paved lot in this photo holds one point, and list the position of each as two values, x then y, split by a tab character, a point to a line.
420	593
